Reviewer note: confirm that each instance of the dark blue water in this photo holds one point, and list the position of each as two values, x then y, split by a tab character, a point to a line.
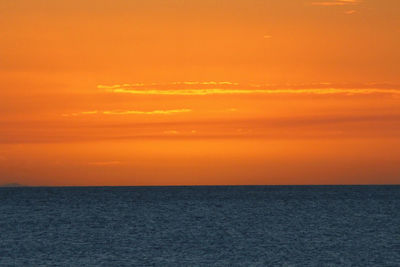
200	226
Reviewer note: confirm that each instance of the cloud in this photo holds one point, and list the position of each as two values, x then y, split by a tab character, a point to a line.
371	123
232	88
130	112
337	3
70	114
90	112
171	132
206	83
104	163
350	12
132	85
221	91
154	112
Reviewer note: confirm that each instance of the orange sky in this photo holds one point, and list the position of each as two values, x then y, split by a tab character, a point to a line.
180	92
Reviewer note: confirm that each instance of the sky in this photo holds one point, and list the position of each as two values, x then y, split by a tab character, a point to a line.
199	92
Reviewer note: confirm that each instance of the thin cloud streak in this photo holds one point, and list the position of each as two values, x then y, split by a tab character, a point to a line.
227	88
321	126
171	132
350	12
337	3
90	112
164	84
105	163
154	112
130	112
221	91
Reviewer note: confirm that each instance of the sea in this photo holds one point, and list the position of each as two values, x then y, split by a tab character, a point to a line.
200	226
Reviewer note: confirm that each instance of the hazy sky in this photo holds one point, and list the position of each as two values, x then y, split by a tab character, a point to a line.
157	92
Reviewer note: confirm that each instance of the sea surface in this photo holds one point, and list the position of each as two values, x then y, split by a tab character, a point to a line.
200	226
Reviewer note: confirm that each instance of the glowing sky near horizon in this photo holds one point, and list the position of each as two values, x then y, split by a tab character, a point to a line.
197	92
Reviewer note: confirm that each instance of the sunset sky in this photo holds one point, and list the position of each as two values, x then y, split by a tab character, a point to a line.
199	92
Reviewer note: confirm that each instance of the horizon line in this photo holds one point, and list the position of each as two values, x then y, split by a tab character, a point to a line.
217	185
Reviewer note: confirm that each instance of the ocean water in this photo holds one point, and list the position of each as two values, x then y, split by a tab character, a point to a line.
200	226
